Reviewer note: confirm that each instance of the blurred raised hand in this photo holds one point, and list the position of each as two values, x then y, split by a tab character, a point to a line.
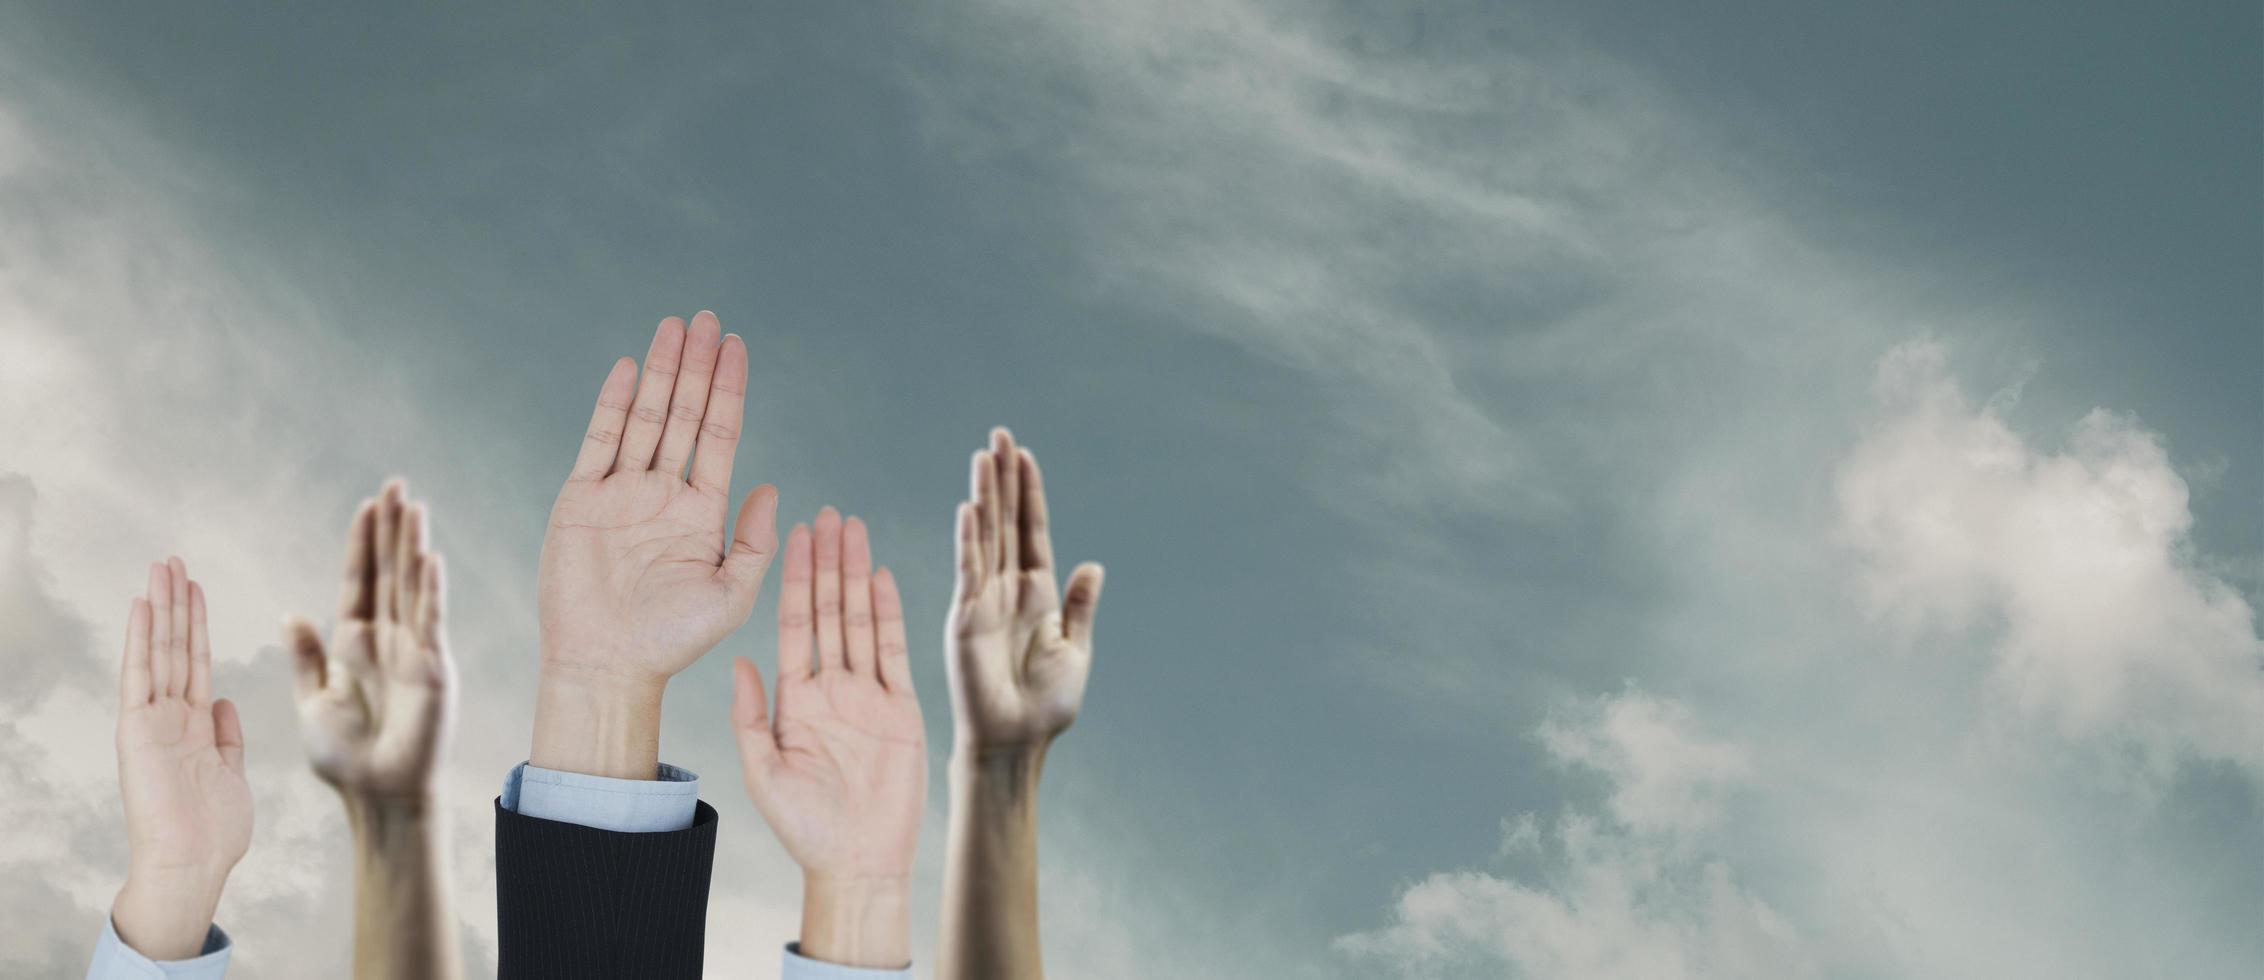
637	577
180	773
840	769
376	708
1018	651
377	704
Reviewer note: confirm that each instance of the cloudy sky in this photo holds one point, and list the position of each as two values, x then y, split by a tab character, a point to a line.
1590	489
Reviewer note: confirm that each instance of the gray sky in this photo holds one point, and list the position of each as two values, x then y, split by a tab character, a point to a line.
1574	477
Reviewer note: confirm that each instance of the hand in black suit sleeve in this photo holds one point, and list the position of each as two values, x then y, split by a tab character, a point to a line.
574	901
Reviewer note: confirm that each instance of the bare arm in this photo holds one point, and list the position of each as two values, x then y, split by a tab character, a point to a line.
376	708
1018	656
180	773
839	769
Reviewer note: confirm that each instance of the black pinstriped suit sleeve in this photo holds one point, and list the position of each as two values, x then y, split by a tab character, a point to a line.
578	902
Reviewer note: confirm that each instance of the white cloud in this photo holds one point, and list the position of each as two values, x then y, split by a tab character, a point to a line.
2074	564
1882	815
1666	778
1625	893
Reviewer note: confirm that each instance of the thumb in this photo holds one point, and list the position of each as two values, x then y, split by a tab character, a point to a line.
228	733
308	667
750	720
754	539
1083	601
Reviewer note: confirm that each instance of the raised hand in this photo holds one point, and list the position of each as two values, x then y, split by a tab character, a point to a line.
1018	653
376	707
1018	657
375	711
637	579
840	769
180	773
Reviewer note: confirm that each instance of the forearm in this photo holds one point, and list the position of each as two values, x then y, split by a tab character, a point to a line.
990	875
598	725
404	917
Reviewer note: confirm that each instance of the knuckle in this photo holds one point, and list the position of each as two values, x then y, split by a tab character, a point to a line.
720	430
605	437
688	412
647	413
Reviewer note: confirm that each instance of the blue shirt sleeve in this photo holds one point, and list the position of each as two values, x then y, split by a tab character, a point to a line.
799	967
636	806
114	960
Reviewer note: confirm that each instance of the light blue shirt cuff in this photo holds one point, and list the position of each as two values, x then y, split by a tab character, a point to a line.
114	960
799	967
637	806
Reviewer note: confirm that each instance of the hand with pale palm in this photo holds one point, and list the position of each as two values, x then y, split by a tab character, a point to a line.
1018	654
637	578
180	773
376	707
840	769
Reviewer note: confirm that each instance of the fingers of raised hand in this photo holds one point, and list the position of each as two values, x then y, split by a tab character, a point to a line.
309	666
199	688
1081	604
857	597
831	652
228	733
1037	538
754	542
177	642
408	566
688	402
983	492
432	603
750	721
648	414
719	432
796	609
386	549
168	640
134	672
1008	481
602	441
888	621
357	594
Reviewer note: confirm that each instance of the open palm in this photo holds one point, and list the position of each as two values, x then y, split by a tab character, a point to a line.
637	580
375	707
180	753
840	771
1019	654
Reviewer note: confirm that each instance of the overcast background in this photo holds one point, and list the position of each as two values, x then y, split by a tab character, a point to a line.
1605	489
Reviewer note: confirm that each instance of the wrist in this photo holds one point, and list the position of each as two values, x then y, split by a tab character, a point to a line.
861	921
385	824
1014	769
598	723
166	915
